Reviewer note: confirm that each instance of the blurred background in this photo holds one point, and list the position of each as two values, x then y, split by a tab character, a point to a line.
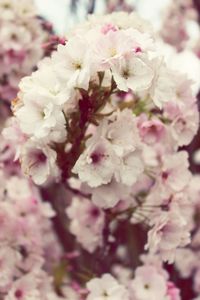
64	14
59	12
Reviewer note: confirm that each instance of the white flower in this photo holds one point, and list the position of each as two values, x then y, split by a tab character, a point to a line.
108	195
14	37
132	72
7	9
39	162
97	164
106	288
130	169
40	118
163	88
87	222
122	132
185	125
73	63
18	188
44	83
169	232
113	46
149	284
24	288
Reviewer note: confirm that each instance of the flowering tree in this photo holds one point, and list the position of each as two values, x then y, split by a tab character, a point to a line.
24	38
99	127
28	244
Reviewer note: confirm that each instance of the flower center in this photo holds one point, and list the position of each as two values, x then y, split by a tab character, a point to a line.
95	212
41	157
113	52
14	37
96	157
77	65
165	175
125	73
18	294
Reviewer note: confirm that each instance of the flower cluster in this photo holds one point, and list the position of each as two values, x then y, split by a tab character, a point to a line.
22	34
28	244
187	259
107	111
149	283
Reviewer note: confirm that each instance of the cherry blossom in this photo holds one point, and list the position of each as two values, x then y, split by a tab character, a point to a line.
98	128
106	287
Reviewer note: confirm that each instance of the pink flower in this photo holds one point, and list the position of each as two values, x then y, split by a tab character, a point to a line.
175	174
169	232
151	131
173	292
97	164
87	223
39	162
108	27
